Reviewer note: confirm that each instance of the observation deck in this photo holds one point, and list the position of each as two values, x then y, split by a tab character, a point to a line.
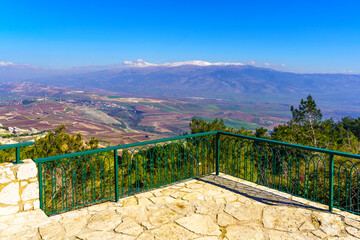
205	186
206	208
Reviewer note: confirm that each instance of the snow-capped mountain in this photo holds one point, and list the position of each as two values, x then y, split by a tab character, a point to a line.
14	65
142	63
202	79
192	78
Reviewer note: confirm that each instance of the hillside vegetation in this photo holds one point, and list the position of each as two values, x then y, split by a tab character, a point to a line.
305	128
155	165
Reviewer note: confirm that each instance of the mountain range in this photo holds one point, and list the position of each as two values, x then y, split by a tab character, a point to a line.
194	79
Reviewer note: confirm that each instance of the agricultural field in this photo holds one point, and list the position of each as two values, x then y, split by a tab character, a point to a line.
116	119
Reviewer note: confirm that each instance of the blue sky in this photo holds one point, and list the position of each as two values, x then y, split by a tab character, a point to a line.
307	36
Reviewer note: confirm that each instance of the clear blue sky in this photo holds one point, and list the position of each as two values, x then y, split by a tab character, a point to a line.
307	36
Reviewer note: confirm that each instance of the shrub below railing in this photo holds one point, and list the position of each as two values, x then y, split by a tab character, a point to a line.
12	152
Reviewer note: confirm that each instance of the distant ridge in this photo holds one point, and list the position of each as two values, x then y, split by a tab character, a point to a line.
200	79
142	63
225	81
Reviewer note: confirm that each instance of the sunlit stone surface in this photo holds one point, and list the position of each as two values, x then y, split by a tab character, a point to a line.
208	208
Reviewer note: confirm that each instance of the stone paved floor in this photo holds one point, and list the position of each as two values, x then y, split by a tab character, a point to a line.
209	208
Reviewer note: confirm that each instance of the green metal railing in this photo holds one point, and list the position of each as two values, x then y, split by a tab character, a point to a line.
16	147
78	179
320	175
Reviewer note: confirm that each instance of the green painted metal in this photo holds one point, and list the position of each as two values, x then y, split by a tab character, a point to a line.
347	187
311	173
17	147
100	150
78	179
116	173
295	171
319	150
18	156
41	185
74	180
217	153
331	183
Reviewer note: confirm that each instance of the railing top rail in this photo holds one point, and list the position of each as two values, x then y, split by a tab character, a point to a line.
16	145
100	150
331	152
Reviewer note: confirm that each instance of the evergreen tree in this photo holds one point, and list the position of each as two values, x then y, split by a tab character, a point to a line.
199	126
60	142
352	125
261	132
308	116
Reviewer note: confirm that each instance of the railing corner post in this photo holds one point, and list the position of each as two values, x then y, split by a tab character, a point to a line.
331	183
18	161
41	187
217	152
18	155
116	171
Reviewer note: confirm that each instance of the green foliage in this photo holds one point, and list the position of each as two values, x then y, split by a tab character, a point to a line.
307	113
308	116
128	114
352	125
300	172
59	142
76	181
149	129
7	155
228	122
307	128
261	132
28	101
199	125
122	125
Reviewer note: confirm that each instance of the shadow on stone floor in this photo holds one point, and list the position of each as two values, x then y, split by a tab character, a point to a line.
253	193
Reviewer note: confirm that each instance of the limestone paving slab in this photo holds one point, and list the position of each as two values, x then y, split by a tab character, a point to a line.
129	227
107	220
162	216
207	208
244	232
74	224
52	231
201	224
352	222
173	231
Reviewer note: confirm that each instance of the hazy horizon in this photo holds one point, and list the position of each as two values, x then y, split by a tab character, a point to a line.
140	63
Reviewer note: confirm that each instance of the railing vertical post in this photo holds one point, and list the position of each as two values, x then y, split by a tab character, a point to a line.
18	155
331	183
217	152
40	187
116	171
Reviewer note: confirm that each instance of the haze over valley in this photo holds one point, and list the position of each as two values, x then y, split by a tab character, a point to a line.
118	119
135	101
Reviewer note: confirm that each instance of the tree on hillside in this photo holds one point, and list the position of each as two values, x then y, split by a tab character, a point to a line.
352	125
307	115
60	142
261	132
199	126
